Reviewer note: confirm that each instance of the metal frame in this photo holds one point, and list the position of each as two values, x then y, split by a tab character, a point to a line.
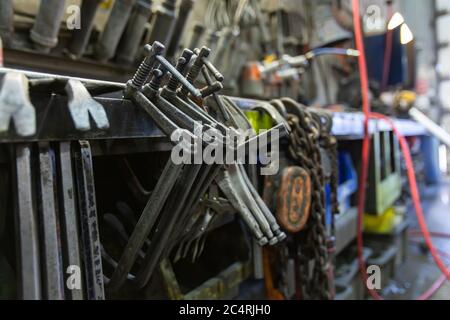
68	208
89	222
35	61
55	124
384	181
128	121
48	210
27	222
52	253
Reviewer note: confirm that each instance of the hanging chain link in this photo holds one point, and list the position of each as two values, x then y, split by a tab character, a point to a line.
311	131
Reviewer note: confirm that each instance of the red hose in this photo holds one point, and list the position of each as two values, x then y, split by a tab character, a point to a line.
418	233
387	53
415	194
365	163
440	252
364	79
420	216
439	282
433	289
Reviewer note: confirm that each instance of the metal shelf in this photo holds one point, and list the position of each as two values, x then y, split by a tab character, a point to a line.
54	122
350	125
128	122
131	122
62	65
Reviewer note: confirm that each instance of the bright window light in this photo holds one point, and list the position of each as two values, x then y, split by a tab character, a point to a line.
396	21
443	164
406	35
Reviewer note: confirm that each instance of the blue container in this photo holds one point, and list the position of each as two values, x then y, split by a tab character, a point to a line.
348	185
348	181
430	150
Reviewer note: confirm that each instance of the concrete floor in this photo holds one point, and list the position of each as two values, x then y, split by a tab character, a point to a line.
419	272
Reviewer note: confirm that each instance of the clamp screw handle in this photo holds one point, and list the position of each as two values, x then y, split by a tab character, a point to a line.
182	66
143	72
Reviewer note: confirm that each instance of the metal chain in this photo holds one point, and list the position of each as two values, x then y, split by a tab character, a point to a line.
329	143
309	133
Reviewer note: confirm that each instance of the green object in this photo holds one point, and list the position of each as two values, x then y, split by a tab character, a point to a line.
384	187
225	285
259	120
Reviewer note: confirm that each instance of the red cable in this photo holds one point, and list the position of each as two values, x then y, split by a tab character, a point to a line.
444	255
365	163
419	212
440	252
433	289
415	194
418	233
438	283
366	141
387	53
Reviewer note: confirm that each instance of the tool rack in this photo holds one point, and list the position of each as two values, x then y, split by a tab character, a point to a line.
58	145
130	122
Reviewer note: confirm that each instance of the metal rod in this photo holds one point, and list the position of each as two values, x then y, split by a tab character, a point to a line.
169	217
109	39
6	22
134	32
93	269
180	25
53	270
46	26
162	121
69	221
163	23
30	271
80	37
145	224
216	97
431	126
31	75
184	82
196	37
212	41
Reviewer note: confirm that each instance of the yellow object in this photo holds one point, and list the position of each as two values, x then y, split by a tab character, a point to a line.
407	95
404	100
106	4
259	120
270	58
383	224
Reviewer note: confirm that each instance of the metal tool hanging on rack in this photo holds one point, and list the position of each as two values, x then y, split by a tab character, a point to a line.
163	23
137	24
7	22
80	37
82	105
15	104
171	208
46	181
174	179
184	11
241	195
44	33
235	195
110	37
